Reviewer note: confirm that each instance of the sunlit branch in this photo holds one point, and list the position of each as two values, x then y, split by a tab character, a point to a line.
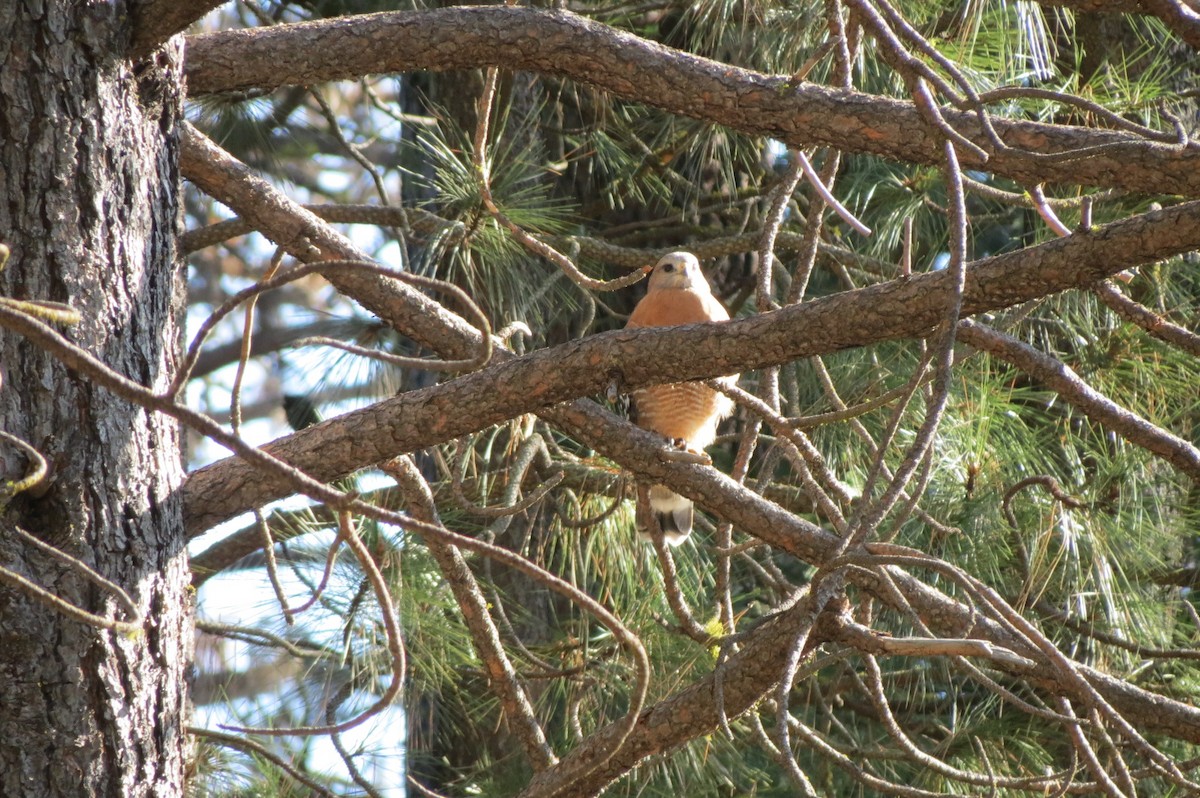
1063	380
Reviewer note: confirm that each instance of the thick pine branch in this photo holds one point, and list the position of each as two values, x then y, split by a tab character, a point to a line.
560	43
307	238
1132	241
897	309
155	21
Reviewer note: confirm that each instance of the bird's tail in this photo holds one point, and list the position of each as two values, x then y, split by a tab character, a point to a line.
673	513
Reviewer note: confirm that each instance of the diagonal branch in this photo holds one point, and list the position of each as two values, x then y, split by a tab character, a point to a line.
307	238
1146	318
502	677
560	43
1061	379
897	309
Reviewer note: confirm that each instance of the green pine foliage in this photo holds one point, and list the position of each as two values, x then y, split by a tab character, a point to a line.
1105	576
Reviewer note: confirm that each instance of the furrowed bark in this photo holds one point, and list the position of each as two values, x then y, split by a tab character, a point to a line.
89	204
560	43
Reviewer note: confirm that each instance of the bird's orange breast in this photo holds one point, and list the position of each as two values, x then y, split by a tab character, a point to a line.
676	306
688	411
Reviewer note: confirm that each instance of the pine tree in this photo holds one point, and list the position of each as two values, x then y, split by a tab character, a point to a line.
946	543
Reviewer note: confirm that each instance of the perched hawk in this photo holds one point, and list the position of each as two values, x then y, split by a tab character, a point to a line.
686	413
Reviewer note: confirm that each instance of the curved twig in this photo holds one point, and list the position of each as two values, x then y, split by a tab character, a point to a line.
811	462
305	269
679	606
1031	635
391	624
242	744
521	463
37	470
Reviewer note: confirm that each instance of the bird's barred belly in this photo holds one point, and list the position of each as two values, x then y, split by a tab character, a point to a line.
684	410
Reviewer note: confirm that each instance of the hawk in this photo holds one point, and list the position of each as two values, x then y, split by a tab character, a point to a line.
685	413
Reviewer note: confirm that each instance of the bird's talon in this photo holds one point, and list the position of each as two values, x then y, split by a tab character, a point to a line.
685	456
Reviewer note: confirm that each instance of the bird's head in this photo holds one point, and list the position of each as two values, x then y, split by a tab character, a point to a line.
677	270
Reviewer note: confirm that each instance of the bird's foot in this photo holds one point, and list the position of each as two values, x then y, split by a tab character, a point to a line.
679	452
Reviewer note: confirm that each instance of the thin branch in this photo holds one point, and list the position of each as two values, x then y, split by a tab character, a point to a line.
521	462
867	640
780	196
1146	318
810	244
335	738
679	606
875	689
1070	672
1084	748
261	637
483	169
308	238
474	607
36	473
24	585
869	514
1092	108
419	220
811	461
1117	641
1054	489
574	522
395	644
749	675
859	773
370	168
326	572
814	179
482	356
1061	379
242	744
797	651
1047	213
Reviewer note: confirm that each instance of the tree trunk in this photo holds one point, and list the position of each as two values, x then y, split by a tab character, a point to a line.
89	204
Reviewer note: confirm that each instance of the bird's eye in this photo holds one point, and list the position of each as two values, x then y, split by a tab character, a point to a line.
668	267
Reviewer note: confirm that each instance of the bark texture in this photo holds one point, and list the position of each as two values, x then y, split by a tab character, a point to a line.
89	204
155	21
559	43
512	386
